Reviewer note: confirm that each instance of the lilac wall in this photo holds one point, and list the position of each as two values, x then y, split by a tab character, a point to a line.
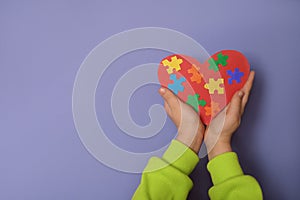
43	44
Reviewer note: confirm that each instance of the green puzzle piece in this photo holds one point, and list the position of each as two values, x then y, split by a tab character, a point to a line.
214	64
194	101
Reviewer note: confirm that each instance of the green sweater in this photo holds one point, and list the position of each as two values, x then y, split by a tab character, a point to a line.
168	177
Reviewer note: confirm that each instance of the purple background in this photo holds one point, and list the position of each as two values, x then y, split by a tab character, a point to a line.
42	45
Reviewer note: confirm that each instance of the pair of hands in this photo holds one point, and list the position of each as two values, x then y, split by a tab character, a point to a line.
216	136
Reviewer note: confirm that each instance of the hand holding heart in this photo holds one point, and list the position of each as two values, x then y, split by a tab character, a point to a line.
221	123
190	128
217	136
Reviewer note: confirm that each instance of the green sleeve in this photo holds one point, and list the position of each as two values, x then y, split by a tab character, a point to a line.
167	177
229	181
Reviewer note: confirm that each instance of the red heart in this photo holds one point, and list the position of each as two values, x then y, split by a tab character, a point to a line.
208	87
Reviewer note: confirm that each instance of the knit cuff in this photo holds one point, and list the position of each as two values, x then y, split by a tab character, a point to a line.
224	167
181	157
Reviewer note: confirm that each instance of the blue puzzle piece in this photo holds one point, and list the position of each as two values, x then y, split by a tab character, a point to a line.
176	85
235	75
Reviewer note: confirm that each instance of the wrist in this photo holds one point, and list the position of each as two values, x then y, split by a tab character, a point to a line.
193	141
221	146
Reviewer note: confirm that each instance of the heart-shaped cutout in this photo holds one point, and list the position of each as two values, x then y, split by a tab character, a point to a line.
208	87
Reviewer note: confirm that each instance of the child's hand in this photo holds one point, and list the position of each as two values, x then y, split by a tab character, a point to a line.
190	128
218	134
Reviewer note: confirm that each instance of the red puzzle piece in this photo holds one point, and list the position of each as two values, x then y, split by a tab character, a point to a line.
216	80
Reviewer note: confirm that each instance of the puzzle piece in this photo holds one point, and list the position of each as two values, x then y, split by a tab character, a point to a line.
196	76
194	101
214	85
176	86
174	64
213	109
235	75
214	64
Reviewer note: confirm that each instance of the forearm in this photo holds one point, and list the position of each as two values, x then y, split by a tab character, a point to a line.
167	177
229	180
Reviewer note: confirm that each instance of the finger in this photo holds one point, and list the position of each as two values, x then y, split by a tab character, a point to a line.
235	107
167	108
247	88
170	99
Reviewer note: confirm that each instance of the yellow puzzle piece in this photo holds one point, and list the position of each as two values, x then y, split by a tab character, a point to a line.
174	64
214	85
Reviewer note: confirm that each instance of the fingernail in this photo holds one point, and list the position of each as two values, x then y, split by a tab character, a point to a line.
241	94
162	90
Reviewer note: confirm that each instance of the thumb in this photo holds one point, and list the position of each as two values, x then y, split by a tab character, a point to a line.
170	98
235	107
